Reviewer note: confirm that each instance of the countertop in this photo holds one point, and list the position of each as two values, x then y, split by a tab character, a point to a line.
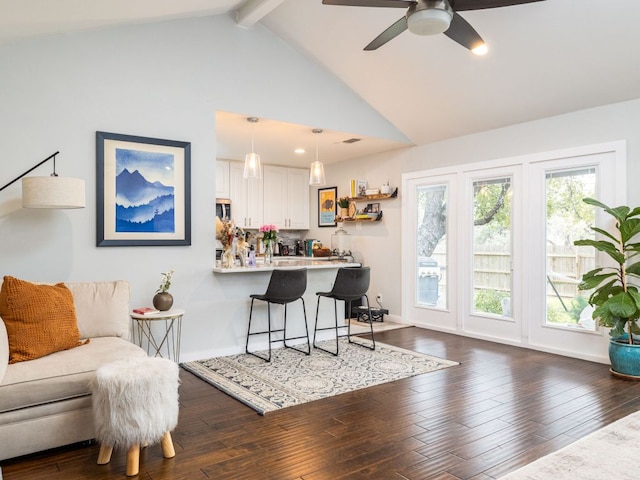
290	263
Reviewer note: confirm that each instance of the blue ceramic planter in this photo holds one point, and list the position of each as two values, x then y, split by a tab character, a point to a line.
625	358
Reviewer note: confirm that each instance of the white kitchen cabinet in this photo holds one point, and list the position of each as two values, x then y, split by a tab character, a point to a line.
286	197
222	179
246	198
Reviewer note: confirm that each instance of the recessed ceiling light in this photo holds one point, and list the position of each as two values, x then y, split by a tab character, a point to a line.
299	151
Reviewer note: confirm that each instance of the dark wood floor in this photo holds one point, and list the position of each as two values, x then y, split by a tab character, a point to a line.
502	408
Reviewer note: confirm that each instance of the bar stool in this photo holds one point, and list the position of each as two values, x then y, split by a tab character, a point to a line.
351	283
285	286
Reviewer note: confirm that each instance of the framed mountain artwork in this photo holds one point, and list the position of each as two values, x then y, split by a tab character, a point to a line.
143	191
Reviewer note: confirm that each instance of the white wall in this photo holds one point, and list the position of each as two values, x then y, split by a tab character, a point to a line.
376	244
159	80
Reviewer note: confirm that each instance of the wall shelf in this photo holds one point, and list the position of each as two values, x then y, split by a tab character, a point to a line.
356	219
379	196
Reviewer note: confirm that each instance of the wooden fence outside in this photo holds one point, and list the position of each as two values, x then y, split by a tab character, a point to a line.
565	266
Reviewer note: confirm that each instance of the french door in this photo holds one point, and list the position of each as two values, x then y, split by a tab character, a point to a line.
489	254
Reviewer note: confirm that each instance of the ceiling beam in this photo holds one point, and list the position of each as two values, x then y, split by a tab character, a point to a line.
255	10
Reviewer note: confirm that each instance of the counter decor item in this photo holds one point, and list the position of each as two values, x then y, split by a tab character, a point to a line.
163	300
269	239
225	234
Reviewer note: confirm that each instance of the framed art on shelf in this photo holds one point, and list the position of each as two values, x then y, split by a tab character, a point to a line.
327	206
143	191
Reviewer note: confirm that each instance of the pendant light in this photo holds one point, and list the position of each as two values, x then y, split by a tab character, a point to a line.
316	173
252	166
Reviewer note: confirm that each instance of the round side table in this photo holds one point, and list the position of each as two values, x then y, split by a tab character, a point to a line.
167	339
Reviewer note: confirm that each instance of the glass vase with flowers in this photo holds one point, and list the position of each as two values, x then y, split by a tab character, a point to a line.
268	239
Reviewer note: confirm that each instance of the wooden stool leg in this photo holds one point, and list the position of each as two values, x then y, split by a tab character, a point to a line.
167	446
104	456
133	460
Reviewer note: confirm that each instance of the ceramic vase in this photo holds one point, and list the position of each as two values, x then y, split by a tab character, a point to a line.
163	301
624	358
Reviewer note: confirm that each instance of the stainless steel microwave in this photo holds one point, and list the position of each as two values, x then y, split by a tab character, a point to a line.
223	208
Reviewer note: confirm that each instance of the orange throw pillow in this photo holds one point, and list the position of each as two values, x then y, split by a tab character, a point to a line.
40	319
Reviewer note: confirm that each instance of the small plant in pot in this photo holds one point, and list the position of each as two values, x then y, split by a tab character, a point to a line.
163	300
615	298
343	203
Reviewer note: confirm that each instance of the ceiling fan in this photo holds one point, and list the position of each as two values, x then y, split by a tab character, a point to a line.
430	17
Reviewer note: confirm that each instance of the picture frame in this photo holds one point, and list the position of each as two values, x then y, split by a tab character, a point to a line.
143	191
373	208
361	188
327	206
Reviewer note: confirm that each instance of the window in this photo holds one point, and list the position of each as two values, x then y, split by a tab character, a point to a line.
431	244
492	246
568	219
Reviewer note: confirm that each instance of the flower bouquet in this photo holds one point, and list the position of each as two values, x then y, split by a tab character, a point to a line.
268	238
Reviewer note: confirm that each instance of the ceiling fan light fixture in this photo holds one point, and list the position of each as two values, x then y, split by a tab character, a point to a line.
480	50
430	21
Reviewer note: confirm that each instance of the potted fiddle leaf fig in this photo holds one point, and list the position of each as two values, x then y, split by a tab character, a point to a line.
615	294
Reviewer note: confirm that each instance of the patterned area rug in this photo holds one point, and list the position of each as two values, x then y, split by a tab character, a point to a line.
293	378
611	452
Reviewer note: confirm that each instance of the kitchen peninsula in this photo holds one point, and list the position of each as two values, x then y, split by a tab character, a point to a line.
289	263
235	285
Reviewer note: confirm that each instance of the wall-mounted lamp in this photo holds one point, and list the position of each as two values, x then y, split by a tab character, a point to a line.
50	192
252	166
316	173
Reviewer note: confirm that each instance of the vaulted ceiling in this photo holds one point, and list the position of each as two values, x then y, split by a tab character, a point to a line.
545	58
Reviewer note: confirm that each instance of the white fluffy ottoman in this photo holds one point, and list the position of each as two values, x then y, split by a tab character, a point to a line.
135	402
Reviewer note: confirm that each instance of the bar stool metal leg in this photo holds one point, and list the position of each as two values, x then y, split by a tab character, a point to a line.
285	286
350	284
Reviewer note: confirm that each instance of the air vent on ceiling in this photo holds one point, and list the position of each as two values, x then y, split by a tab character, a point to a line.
351	140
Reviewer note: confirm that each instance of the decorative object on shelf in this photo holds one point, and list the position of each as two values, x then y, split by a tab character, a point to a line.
327	206
372	208
385	189
163	300
343	203
316	173
269	239
143	190
252	165
52	191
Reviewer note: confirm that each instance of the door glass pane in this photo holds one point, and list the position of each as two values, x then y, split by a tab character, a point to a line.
431	284
568	219
492	246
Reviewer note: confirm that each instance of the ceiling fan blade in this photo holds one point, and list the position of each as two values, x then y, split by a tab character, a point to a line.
389	34
462	5
371	3
462	32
